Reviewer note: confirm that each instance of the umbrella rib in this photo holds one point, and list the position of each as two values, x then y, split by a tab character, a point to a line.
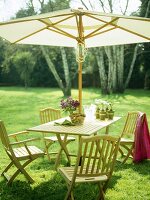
47	24
63	19
103	31
147	38
120	16
106	24
77	24
29	19
61	15
61	32
116	26
28	35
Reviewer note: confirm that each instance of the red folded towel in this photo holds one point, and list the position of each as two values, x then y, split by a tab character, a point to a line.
142	140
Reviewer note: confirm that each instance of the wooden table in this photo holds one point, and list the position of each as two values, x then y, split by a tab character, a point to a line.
88	128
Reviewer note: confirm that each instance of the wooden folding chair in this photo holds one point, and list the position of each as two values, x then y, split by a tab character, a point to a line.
47	115
20	156
127	137
98	155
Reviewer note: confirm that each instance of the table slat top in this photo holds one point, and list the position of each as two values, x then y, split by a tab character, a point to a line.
86	129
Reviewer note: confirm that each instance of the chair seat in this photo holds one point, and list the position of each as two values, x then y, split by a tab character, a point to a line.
95	163
47	115
54	138
127	137
22	152
68	172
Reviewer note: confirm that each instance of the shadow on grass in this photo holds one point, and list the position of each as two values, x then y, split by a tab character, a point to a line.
141	167
21	190
51	186
44	164
53	189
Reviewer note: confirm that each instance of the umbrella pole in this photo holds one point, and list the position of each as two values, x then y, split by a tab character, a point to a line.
80	85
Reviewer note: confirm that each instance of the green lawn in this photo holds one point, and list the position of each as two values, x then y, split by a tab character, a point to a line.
19	109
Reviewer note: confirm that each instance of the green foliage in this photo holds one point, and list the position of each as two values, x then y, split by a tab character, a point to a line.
24	64
146	47
137	78
20	110
143	8
55	5
41	74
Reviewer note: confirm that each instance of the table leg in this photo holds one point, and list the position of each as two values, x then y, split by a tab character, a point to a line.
63	144
81	156
107	129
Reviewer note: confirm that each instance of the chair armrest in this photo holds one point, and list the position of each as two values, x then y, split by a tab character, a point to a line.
18	133
24	141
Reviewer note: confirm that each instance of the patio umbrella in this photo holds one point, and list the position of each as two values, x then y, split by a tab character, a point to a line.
77	28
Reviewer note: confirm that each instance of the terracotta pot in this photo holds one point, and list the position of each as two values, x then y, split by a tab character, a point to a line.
102	115
110	114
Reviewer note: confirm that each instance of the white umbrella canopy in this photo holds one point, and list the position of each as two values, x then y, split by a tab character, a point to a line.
71	27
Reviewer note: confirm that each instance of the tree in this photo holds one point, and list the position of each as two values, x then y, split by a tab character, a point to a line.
112	75
65	85
2	47
145	8
9	74
24	64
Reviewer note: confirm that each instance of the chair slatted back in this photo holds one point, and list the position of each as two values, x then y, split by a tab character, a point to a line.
131	123
98	155
4	136
49	114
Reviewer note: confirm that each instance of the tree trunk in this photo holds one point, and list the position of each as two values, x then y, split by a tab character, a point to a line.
66	90
120	67
26	80
135	53
101	67
115	55
108	51
131	66
66	72
52	68
147	80
114	69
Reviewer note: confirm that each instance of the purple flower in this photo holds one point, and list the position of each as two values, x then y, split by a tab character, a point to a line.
69	104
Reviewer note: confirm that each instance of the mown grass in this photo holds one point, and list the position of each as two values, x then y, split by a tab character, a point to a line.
19	109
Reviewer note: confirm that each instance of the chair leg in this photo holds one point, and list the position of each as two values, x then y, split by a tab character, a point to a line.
63	147
69	195
121	152
127	156
47	147
20	168
23	171
7	168
58	158
101	195
59	155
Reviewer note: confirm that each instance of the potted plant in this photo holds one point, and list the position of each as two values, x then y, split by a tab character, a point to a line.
70	105
110	111
102	111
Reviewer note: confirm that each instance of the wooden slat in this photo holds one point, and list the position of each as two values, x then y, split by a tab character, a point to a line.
49	114
101	148
89	157
130	124
86	129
